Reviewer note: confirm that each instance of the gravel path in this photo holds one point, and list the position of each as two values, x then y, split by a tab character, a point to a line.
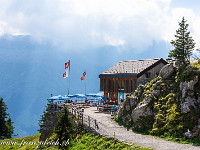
108	127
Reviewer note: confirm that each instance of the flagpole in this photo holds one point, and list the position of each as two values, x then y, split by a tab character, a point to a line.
85	86
69	77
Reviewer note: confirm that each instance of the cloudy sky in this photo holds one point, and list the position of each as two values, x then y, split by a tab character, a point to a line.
83	24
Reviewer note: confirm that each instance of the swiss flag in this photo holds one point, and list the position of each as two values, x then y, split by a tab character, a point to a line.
66	65
65	75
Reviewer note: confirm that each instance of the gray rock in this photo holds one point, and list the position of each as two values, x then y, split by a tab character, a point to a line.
140	90
185	106
120	112
147	99
157	84
128	108
142	110
184	90
128	117
192	82
191	101
156	92
133	102
188	134
166	70
198	100
185	86
191	93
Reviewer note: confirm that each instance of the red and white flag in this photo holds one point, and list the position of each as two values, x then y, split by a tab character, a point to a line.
67	64
82	78
65	75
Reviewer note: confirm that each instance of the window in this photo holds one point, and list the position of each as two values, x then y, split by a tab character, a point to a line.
156	74
147	75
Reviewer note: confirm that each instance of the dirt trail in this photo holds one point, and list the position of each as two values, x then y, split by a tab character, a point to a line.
108	127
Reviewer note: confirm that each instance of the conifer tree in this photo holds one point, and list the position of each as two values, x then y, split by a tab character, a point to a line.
66	128
6	127
183	44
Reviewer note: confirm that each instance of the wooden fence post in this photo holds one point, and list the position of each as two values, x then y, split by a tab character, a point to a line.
78	115
82	118
89	120
75	112
95	121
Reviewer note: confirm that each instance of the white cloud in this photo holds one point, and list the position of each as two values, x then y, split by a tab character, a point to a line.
83	24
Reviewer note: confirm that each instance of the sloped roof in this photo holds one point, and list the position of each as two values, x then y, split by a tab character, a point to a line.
131	68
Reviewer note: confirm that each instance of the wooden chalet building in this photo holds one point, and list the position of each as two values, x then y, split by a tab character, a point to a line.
124	77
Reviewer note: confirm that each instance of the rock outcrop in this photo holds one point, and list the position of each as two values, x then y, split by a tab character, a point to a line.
51	120
172	100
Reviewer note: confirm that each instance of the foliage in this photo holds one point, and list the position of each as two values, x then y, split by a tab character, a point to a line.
42	118
183	44
66	128
196	64
142	123
6	125
90	141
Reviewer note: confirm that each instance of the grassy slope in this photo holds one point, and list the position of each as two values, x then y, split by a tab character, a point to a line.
95	142
86	141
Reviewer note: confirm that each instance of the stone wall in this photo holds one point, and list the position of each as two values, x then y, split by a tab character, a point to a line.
51	120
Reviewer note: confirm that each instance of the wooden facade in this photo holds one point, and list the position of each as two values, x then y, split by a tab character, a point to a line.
125	76
127	85
112	86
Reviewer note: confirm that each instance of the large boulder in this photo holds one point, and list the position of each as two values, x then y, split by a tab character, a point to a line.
166	70
142	110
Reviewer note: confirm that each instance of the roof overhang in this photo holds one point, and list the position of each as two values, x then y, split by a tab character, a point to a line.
119	75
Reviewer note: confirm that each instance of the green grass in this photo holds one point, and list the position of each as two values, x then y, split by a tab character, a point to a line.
90	141
24	143
168	137
86	141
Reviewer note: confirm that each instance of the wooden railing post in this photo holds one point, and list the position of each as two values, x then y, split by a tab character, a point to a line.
82	118
78	115
95	122
75	112
89	120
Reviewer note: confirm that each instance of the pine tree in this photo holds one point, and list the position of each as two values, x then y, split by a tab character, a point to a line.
183	44
66	128
6	127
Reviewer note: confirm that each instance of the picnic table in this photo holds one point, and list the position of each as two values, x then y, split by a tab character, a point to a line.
107	108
